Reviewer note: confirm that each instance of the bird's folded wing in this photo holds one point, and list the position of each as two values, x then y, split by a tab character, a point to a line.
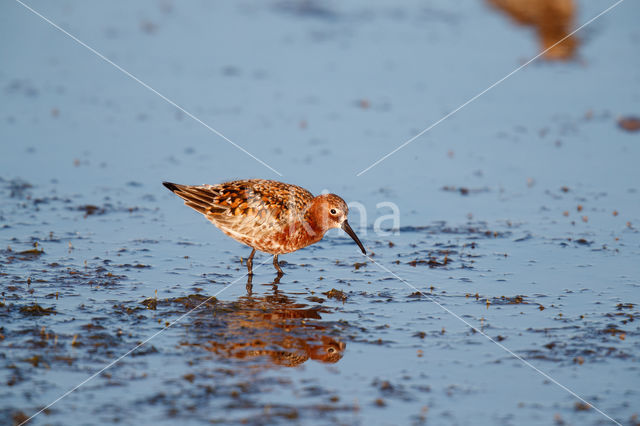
247	205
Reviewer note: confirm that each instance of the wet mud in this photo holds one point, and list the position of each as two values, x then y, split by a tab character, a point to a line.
517	240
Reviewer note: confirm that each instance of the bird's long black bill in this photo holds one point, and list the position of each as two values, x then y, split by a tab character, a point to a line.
346	228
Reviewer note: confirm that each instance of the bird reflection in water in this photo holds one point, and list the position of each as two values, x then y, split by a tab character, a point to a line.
553	20
272	327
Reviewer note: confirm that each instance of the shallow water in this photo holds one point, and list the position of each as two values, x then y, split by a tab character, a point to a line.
519	216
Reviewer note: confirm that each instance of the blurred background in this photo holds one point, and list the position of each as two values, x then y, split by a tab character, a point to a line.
319	91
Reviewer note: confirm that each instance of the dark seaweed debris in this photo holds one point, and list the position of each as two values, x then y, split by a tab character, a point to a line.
336	294
37	310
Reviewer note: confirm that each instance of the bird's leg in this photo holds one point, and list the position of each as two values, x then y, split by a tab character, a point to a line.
249	285
275	283
250	262
275	263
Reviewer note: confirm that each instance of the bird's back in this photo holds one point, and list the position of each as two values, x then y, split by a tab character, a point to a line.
255	211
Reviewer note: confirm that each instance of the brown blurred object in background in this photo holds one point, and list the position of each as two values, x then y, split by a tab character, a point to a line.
553	20
630	124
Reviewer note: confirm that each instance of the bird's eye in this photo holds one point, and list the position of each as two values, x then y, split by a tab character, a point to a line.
331	350
333	211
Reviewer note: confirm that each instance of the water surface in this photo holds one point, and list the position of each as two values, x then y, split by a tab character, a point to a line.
518	214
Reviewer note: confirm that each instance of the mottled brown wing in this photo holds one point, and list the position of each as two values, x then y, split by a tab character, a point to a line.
247	206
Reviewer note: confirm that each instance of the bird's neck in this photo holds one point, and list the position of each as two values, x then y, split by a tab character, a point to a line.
312	223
